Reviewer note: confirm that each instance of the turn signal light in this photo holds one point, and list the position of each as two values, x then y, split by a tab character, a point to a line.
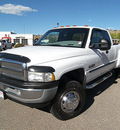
85	25
67	26
74	25
61	26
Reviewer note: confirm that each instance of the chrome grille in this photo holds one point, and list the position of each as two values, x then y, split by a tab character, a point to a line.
14	69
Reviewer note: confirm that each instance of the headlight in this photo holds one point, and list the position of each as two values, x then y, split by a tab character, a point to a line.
41	77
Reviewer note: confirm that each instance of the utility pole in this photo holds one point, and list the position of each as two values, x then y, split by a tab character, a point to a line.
57	24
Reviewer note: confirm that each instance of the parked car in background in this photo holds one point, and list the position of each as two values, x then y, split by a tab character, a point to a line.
5	44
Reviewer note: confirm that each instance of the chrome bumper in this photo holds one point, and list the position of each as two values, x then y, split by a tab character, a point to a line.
28	95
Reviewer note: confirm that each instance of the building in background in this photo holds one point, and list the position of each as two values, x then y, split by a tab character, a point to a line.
26	39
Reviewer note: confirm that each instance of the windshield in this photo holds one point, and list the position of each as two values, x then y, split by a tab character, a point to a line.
68	37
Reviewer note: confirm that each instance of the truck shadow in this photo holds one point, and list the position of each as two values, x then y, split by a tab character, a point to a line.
91	93
96	91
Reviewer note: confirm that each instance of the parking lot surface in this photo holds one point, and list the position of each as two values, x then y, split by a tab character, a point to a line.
101	112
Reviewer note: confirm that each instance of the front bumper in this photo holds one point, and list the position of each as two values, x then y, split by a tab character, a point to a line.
27	92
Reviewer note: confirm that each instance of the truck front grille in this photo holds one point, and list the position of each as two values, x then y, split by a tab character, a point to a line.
13	69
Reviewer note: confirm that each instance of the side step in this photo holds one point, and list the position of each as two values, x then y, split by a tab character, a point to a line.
98	81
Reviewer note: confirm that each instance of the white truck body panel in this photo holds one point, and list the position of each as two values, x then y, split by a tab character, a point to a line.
67	59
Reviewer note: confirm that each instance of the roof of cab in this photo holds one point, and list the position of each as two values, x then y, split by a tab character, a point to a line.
74	26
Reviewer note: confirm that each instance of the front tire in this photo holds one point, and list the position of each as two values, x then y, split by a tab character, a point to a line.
69	101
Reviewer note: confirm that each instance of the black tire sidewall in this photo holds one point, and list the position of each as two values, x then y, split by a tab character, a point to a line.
70	86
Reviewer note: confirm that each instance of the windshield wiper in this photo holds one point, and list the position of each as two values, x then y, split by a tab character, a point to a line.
54	45
47	45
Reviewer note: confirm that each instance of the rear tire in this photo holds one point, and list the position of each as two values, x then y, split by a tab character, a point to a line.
69	101
5	48
117	73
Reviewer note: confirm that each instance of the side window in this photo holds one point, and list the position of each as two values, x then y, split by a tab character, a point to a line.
96	36
106	36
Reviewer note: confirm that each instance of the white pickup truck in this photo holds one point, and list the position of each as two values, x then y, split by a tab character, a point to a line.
59	68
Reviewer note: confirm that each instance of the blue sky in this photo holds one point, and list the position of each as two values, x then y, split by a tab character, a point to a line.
38	16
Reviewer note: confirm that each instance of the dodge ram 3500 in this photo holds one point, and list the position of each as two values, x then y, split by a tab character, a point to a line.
58	69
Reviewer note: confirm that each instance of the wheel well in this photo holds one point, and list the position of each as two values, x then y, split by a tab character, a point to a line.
78	75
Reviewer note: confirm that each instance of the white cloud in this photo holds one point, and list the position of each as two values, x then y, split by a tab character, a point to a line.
89	20
15	9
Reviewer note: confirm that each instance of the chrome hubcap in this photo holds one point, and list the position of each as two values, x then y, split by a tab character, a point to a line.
70	101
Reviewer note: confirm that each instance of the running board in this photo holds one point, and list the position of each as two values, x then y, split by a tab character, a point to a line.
99	81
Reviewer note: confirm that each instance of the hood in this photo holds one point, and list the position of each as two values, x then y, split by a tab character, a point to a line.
43	54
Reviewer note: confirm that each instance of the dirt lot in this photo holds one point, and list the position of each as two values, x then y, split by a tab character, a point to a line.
101	112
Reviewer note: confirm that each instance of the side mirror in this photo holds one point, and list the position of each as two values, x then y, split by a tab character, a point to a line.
102	45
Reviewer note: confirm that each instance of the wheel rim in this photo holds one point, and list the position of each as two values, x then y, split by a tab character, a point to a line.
70	101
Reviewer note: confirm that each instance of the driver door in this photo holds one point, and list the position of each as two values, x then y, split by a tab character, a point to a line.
100	61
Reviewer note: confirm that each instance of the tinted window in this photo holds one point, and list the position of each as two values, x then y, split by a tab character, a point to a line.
97	35
106	36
